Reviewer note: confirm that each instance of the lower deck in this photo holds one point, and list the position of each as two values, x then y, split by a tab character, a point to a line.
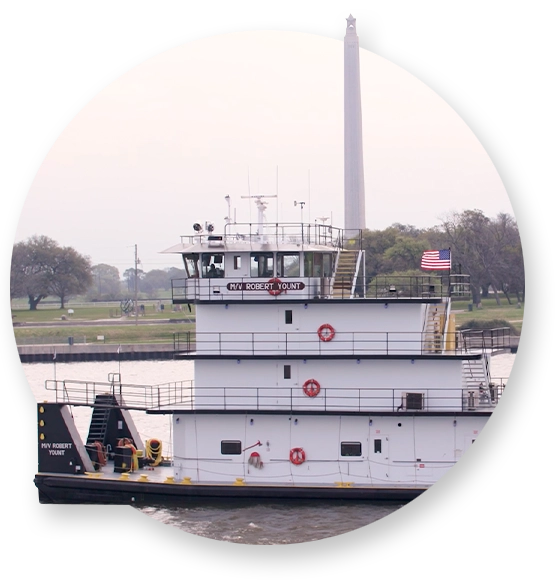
393	456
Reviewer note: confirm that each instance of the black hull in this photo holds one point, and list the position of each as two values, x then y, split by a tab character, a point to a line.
60	489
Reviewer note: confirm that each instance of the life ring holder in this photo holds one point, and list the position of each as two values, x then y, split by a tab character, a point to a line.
326	332
297	456
311	388
274	291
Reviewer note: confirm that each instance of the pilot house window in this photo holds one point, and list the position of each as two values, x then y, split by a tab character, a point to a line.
213	266
191	263
287	264
262	264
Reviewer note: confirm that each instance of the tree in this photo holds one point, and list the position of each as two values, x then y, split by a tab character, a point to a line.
489	250
129	277
29	269
153	281
40	267
69	274
17	271
405	254
106	283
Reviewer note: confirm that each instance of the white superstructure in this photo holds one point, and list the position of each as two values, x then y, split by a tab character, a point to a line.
306	376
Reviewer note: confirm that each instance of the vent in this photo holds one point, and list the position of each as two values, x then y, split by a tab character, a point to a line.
414	401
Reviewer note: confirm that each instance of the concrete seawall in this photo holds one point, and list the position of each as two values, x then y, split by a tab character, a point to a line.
68	353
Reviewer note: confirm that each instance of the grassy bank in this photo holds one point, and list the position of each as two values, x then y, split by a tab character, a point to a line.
97	312
513	314
111	334
161	329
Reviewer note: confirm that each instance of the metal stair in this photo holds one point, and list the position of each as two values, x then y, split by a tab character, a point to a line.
345	275
476	392
99	419
433	331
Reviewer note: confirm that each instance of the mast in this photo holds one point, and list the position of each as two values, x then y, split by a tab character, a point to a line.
261	207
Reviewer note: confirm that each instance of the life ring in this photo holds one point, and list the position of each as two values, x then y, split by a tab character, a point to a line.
326	332
101	457
154	451
297	456
134	459
255	460
275	290
311	387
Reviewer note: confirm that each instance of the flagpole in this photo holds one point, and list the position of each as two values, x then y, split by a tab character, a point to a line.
54	361
450	272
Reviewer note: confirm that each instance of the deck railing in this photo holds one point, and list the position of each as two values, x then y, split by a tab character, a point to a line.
278	234
311	288
185	396
344	343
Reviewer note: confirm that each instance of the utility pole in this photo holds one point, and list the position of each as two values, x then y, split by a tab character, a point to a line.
136	309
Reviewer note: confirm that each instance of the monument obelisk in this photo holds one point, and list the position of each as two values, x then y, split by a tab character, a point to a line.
354	183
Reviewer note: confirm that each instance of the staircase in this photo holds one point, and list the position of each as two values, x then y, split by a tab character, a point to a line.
345	276
476	392
433	331
474	375
99	419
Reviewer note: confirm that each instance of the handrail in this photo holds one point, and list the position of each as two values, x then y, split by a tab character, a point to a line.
310	288
186	396
238	343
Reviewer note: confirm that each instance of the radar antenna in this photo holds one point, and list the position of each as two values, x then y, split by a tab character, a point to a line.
261	207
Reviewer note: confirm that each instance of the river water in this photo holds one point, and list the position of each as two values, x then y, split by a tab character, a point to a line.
246	522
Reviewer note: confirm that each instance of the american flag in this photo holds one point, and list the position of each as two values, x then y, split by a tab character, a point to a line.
436	260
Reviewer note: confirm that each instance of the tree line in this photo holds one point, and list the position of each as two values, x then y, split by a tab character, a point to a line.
41	268
487	249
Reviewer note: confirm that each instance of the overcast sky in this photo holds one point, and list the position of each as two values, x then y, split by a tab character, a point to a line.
257	113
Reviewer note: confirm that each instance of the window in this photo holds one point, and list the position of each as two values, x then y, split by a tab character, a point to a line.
212	266
191	262
378	446
287	371
327	265
262	264
313	263
237	262
287	264
350	448
289	317
230	447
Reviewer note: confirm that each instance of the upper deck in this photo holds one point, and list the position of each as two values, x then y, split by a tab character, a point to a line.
292	262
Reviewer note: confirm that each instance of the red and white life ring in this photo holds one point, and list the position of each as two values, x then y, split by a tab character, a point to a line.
326	332
275	290
255	460
311	388
297	456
